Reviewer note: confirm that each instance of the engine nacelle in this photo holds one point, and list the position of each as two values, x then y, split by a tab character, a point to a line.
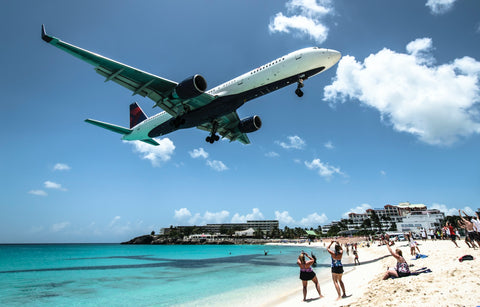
190	87
250	124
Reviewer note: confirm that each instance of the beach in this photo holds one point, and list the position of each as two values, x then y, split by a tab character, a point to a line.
450	282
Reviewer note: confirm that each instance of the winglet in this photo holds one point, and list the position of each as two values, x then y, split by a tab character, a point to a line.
46	37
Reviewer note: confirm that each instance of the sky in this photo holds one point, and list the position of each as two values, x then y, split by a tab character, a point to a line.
396	120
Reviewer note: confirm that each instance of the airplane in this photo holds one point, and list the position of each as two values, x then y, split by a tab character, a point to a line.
188	104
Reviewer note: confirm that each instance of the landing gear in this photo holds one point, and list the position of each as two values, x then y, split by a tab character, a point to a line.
298	91
213	136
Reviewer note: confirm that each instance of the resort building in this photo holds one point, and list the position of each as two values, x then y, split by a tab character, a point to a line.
399	218
265	226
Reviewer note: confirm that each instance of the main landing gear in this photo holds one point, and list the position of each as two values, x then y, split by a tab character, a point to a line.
298	91
213	136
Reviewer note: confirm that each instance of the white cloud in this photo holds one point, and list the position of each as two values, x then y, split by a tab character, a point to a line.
38	192
437	104
452	211
198	153
182	214
439	6
284	218
155	154
53	185
294	142
61	167
313	220
421	49
60	226
305	17
358	209
383	173
255	215
272	154
209	218
324	169
219	166
329	145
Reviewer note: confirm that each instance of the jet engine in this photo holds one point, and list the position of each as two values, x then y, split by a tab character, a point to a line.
190	87
250	124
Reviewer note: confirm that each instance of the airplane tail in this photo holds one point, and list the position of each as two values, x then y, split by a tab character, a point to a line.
136	115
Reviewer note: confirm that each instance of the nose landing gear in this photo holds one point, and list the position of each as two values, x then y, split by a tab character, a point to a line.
298	91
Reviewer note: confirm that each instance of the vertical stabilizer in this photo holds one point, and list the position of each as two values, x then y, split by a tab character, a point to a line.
136	115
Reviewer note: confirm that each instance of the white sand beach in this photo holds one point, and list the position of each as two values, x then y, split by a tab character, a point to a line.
451	283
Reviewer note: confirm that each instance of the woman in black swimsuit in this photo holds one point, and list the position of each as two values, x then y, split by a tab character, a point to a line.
306	273
337	268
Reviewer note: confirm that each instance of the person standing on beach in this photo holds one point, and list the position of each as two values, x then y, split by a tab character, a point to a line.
355	260
306	273
453	236
470	228
337	268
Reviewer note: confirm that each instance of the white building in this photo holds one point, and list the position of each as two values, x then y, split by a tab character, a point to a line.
415	221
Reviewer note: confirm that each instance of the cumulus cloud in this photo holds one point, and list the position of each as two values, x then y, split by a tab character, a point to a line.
182	214
312	220
61	167
53	185
198	153
324	169
438	7
155	154
255	215
358	209
209	218
438	104
284	218
219	166
294	142
304	18
38	192
452	211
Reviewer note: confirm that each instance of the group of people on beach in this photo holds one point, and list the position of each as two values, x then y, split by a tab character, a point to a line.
306	271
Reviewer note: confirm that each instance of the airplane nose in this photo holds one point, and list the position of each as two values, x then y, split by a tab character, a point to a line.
336	55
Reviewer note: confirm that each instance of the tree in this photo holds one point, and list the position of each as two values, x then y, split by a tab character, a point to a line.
152	233
333	231
376	220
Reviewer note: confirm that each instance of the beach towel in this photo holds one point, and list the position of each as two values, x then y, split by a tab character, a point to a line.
418	256
466	257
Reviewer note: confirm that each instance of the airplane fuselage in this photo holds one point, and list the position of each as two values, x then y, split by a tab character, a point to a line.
289	69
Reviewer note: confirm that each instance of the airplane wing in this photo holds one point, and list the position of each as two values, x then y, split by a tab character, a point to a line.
139	82
228	128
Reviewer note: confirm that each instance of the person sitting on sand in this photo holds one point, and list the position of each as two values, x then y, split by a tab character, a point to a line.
402	269
306	273
337	268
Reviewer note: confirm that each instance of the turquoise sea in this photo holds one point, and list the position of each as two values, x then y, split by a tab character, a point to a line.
146	275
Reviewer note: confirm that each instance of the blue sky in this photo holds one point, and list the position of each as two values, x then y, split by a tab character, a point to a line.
397	119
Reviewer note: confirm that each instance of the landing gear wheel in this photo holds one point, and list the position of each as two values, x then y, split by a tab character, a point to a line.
299	92
216	137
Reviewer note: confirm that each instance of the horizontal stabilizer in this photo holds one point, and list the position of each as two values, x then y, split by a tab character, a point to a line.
151	142
111	127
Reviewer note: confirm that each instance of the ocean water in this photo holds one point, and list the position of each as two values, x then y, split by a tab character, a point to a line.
146	275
